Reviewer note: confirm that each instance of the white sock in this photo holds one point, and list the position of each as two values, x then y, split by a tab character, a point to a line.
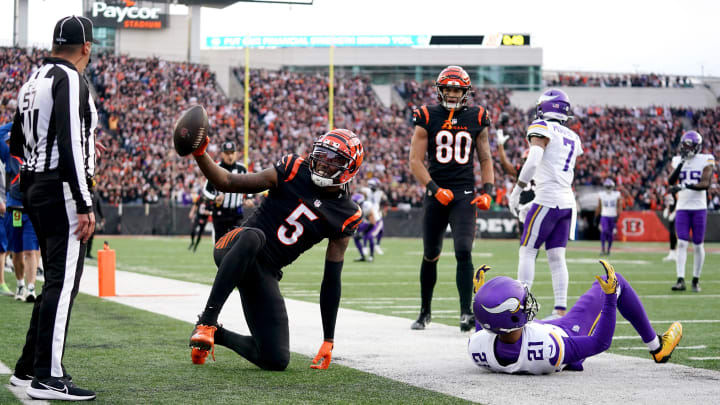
681	257
31	286
526	265
699	258
653	344
21	283
559	273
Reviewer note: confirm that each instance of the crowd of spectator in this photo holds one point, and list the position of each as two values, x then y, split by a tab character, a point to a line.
626	80
139	99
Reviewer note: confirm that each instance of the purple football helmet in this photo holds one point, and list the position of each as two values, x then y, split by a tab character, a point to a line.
553	104
608	183
503	305
690	144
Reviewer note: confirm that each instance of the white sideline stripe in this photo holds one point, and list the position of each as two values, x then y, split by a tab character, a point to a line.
23	397
704	358
587	260
447	254
699	347
4	369
435	359
626	337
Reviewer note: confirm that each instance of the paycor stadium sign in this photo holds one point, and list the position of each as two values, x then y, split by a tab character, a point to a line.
126	14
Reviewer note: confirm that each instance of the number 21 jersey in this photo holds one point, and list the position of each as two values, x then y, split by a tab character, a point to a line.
451	142
554	175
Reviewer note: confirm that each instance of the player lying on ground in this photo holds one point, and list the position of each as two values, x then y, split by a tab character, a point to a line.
307	202
509	341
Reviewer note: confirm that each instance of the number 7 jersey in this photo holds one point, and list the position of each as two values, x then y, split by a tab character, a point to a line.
451	142
554	175
297	214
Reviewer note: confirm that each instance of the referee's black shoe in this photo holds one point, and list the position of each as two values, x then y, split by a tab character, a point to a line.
59	389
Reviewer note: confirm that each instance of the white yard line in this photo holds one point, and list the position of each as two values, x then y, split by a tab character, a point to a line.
434	359
19	392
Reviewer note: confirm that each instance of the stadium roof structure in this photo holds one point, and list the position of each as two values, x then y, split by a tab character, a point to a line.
225	3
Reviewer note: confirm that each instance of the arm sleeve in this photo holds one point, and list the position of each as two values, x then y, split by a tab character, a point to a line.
421	117
68	95
675	174
330	297
531	163
17	138
581	347
4	149
209	190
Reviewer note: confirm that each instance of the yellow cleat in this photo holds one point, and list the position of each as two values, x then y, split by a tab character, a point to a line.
668	341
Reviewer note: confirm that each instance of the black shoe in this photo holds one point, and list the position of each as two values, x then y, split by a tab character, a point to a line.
679	286
467	322
58	388
422	321
89	256
20	380
360	259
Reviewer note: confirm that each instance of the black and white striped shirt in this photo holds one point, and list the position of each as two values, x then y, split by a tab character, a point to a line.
232	201
54	127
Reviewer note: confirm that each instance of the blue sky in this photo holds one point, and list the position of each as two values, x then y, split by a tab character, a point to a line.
664	36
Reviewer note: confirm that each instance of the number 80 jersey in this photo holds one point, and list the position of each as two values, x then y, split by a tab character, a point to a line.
451	142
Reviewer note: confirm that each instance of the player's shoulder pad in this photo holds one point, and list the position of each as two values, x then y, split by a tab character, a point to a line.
709	159
675	161
483	117
421	116
288	166
539	128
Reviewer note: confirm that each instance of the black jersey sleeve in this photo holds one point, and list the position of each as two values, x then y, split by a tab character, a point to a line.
421	117
287	167
483	118
351	222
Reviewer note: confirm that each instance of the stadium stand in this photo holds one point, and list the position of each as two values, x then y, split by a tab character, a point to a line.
139	98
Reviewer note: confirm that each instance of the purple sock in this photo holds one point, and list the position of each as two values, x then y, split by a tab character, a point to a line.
632	309
359	246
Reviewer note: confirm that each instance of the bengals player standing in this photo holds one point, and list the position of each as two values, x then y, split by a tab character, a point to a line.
307	202
449	133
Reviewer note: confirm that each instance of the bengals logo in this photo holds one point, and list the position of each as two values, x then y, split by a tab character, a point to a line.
633	226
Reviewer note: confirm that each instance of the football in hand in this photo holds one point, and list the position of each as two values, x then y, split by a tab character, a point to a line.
190	130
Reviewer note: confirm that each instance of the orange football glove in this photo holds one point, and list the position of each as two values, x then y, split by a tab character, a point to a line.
201	149
444	196
324	354
483	201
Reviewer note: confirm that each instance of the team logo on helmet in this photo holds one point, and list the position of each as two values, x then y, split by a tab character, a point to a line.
503	305
553	104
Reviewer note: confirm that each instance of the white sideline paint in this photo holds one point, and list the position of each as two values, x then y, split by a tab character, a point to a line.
434	359
19	392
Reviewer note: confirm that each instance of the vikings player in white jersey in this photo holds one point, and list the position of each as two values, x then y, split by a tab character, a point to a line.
369	228
551	218
608	209
374	194
693	170
507	340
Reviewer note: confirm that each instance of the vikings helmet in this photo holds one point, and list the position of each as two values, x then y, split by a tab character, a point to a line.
374	184
690	144
503	305
553	104
456	77
608	183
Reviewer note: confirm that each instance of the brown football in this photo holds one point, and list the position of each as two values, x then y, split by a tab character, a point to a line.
190	130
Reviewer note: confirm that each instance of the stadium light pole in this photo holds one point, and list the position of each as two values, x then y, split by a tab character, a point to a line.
246	119
331	86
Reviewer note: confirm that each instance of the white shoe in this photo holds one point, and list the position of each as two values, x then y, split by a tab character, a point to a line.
30	295
366	251
20	293
672	256
379	250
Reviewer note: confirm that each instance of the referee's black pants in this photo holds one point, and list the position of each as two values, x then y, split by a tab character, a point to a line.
224	223
53	213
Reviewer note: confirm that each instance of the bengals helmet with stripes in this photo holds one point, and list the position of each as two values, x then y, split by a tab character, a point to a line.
336	158
453	76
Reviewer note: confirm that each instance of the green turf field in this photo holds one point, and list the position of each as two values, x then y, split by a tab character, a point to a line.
132	356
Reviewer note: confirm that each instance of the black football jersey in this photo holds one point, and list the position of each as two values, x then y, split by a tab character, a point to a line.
297	214
452	142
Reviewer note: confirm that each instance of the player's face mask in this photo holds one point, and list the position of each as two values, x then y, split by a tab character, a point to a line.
328	164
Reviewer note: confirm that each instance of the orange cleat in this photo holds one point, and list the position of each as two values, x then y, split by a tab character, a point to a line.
198	355
203	339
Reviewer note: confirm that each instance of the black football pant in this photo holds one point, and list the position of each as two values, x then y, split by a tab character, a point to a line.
673	235
460	214
198	227
268	347
223	224
53	214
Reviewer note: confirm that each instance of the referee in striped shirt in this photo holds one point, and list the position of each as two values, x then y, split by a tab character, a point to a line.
54	131
227	210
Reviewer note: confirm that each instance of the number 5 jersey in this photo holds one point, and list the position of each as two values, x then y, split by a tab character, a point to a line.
297	214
